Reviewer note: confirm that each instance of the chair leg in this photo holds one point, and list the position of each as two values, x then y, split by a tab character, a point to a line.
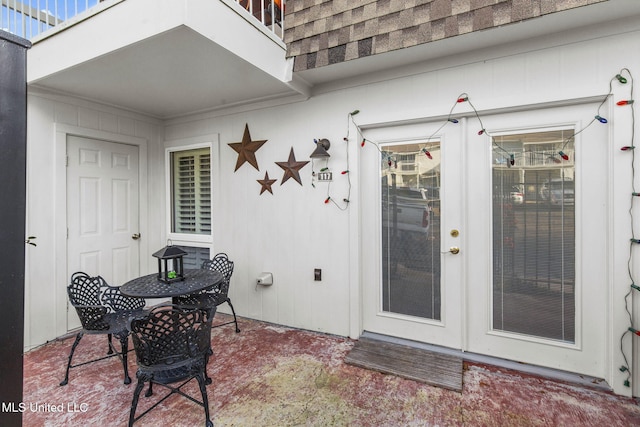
205	399
235	319
109	339
149	392
134	402
124	343
207	378
65	381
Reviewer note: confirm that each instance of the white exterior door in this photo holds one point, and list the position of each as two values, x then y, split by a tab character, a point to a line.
102	211
497	267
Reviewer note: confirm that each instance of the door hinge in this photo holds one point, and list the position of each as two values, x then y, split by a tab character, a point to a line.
66	161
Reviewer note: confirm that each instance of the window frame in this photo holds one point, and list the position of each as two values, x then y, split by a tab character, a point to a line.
186	239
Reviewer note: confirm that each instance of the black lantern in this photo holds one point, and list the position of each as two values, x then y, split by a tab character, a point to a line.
174	272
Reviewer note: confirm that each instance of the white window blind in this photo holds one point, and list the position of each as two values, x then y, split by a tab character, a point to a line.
191	191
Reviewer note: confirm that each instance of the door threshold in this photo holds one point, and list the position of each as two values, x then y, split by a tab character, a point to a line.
541	371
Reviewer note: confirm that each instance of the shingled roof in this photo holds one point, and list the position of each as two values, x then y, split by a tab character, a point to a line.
325	32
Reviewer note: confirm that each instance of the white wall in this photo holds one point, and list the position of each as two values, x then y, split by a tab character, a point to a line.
293	231
290	232
46	275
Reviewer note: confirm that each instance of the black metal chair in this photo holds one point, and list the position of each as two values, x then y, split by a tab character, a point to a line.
172	345
216	296
102	309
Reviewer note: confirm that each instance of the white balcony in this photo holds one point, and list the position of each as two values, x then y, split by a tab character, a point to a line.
164	58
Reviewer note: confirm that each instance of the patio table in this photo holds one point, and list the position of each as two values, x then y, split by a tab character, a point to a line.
149	286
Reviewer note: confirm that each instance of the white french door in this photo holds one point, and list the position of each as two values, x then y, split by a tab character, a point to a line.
102	211
510	258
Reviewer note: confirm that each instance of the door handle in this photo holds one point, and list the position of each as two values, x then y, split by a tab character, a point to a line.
454	250
135	236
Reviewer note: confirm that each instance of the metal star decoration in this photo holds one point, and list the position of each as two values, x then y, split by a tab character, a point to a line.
291	168
247	149
266	183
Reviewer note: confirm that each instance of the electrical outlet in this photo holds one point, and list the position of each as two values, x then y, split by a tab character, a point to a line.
317	274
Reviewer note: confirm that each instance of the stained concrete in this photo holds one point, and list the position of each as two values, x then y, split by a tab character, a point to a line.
269	375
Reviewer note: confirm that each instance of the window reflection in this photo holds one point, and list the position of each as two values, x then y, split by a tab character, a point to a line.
534	235
410	183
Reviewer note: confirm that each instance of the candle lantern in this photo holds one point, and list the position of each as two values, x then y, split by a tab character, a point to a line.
170	264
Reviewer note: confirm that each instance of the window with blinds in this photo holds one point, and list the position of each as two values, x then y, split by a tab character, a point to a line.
191	191
534	234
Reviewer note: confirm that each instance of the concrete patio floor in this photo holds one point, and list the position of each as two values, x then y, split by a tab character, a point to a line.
268	375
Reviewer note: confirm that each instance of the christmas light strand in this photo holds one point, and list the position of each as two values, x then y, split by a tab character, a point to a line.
510	160
626	368
344	172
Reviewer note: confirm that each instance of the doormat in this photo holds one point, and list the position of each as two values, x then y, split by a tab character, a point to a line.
417	364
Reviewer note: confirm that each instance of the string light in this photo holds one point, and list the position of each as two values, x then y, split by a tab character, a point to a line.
345	172
633	241
511	161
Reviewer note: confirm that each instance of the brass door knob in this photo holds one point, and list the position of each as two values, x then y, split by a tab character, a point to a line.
135	236
454	250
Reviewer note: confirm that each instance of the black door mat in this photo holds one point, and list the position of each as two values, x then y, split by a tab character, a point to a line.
417	364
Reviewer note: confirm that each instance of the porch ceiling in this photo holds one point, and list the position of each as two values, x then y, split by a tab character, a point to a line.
174	73
163	58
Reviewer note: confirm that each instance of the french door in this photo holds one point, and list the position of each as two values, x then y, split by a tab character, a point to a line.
491	242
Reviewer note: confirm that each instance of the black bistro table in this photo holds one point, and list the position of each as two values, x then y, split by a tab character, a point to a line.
149	286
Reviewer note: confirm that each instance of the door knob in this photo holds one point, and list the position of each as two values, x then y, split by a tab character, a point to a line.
135	236
454	250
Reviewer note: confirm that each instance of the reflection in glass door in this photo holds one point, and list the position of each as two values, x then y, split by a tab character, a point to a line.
533	234
410	175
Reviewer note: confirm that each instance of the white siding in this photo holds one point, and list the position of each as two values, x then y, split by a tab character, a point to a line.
293	231
46	275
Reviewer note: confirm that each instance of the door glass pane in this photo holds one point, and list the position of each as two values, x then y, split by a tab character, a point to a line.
533	234
410	183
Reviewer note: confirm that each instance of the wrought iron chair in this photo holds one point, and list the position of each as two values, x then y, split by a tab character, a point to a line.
218	295
102	309
172	345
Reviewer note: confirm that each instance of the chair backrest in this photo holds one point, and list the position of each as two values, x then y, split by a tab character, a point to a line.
85	290
115	301
171	335
84	293
224	265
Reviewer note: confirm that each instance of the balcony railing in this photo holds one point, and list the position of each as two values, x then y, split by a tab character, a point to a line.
30	18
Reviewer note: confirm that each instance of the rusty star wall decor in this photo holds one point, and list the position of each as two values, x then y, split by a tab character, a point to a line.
247	149
266	183
291	168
